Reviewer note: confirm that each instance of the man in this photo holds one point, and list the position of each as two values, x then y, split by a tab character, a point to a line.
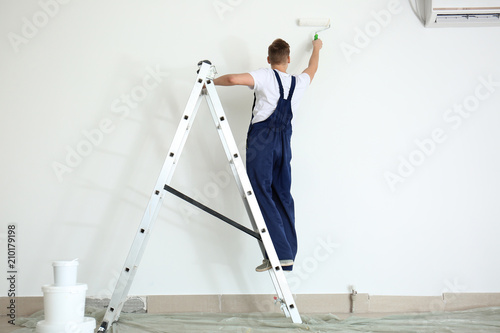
277	96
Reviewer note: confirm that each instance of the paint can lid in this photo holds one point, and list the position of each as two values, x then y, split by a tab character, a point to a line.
77	288
73	262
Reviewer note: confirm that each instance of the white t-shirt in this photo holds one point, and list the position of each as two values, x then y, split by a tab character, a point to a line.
267	91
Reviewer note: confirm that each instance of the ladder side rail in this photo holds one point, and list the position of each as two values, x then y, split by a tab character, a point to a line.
236	163
247	192
181	134
242	177
274	279
142	236
127	274
141	239
238	175
230	146
236	172
241	188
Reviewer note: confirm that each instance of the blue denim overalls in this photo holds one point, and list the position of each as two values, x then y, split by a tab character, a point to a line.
268	166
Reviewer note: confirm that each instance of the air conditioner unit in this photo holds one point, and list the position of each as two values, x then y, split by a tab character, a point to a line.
462	13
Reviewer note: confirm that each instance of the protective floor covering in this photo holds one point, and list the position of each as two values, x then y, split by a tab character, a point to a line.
470	321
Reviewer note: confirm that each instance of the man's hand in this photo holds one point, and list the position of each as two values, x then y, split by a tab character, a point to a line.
317	44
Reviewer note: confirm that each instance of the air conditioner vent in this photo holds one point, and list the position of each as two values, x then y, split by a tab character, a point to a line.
468	18
462	13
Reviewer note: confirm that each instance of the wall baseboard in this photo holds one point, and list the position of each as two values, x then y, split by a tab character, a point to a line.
322	303
306	303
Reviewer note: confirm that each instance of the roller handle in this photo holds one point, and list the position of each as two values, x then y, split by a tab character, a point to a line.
316	37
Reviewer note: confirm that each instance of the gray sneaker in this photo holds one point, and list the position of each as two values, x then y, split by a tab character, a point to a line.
266	265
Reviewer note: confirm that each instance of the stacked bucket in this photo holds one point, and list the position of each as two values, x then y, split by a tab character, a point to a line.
64	302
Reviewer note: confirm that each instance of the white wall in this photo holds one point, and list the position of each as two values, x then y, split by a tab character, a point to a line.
433	230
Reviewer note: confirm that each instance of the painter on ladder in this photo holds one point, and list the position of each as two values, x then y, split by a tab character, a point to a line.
277	97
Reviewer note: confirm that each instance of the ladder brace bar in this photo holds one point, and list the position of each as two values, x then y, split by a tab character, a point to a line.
212	212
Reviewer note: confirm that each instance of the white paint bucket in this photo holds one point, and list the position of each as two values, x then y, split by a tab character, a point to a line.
64	304
86	326
65	272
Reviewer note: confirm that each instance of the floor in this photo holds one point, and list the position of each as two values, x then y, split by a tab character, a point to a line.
470	321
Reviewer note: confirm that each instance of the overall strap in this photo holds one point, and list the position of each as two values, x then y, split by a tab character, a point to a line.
279	83
292	86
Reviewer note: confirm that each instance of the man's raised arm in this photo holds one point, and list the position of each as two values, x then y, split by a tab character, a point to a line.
314	60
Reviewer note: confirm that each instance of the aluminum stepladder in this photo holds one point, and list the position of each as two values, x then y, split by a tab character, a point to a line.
203	88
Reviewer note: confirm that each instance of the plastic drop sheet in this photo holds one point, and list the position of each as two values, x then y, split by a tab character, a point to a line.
470	321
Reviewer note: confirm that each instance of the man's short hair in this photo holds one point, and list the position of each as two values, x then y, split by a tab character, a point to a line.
278	52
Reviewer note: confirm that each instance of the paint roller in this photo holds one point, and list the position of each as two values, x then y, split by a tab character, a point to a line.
315	22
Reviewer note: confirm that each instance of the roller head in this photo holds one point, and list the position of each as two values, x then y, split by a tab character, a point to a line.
314	22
